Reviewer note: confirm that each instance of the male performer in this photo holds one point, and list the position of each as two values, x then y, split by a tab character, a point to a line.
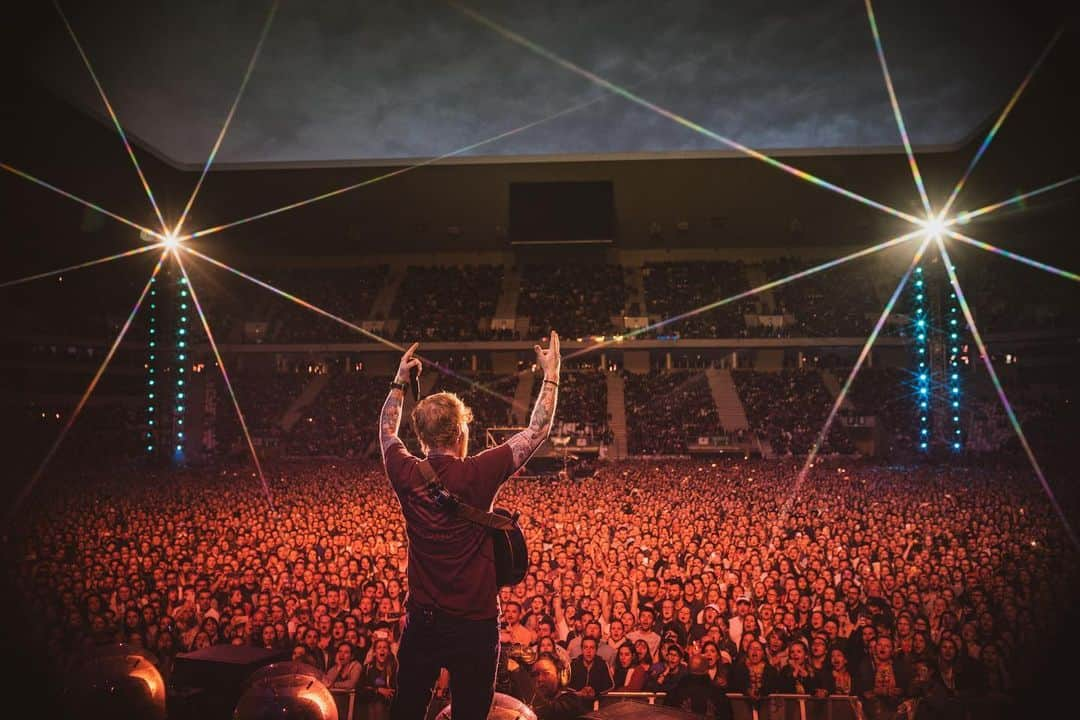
452	609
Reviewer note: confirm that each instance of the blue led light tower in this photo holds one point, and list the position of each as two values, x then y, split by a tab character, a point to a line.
954	329
937	334
167	367
920	332
180	364
152	372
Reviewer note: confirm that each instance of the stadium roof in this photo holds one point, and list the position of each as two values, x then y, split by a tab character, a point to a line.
381	82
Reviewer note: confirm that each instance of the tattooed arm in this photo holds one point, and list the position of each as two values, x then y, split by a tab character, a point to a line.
525	443
390	418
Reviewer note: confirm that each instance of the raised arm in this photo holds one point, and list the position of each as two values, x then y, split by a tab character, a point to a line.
525	443
390	417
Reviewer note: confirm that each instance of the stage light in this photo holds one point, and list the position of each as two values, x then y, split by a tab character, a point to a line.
171	241
935	227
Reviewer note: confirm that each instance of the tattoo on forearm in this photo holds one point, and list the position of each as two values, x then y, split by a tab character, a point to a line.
390	418
525	443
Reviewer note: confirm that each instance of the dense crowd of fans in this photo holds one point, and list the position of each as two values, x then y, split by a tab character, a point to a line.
231	302
576	300
889	395
90	304
346	292
264	398
837	303
457	302
583	407
342	420
668	410
1007	296
448	303
911	587
673	288
788	408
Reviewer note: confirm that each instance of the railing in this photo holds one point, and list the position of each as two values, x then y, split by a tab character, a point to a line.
609	697
780	706
743	707
346	700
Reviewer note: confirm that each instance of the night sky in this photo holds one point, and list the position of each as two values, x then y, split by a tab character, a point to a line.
346	81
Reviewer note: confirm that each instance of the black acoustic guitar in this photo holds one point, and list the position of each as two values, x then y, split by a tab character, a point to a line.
511	553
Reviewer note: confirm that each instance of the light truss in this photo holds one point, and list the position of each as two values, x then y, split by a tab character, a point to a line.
224	375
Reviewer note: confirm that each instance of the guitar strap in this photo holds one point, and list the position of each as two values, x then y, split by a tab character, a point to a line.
495	521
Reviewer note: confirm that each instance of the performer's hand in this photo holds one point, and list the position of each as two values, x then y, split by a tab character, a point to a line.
549	360
408	362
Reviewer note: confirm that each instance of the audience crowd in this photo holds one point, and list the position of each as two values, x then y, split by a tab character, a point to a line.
583	409
449	303
576	300
672	288
917	589
668	410
456	303
837	303
342	420
264	398
788	408
346	292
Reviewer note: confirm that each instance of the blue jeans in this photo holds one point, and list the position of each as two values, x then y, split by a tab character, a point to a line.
432	640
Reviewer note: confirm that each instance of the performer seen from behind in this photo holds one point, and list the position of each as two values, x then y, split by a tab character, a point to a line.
452	610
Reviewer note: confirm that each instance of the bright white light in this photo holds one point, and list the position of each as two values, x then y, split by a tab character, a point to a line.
171	241
935	227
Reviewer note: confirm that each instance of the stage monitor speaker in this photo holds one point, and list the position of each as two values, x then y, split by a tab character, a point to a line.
503	707
207	683
116	681
633	710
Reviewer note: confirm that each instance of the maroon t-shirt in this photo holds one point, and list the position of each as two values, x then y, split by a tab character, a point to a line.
451	561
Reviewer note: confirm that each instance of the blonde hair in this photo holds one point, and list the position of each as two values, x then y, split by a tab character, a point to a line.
437	420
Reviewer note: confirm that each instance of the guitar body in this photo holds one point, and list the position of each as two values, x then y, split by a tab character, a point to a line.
511	555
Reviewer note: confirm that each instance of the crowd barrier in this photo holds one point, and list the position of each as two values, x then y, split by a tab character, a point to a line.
795	707
346	704
743	707
651	698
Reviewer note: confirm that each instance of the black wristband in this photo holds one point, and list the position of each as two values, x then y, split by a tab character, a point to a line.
398	386
552	382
